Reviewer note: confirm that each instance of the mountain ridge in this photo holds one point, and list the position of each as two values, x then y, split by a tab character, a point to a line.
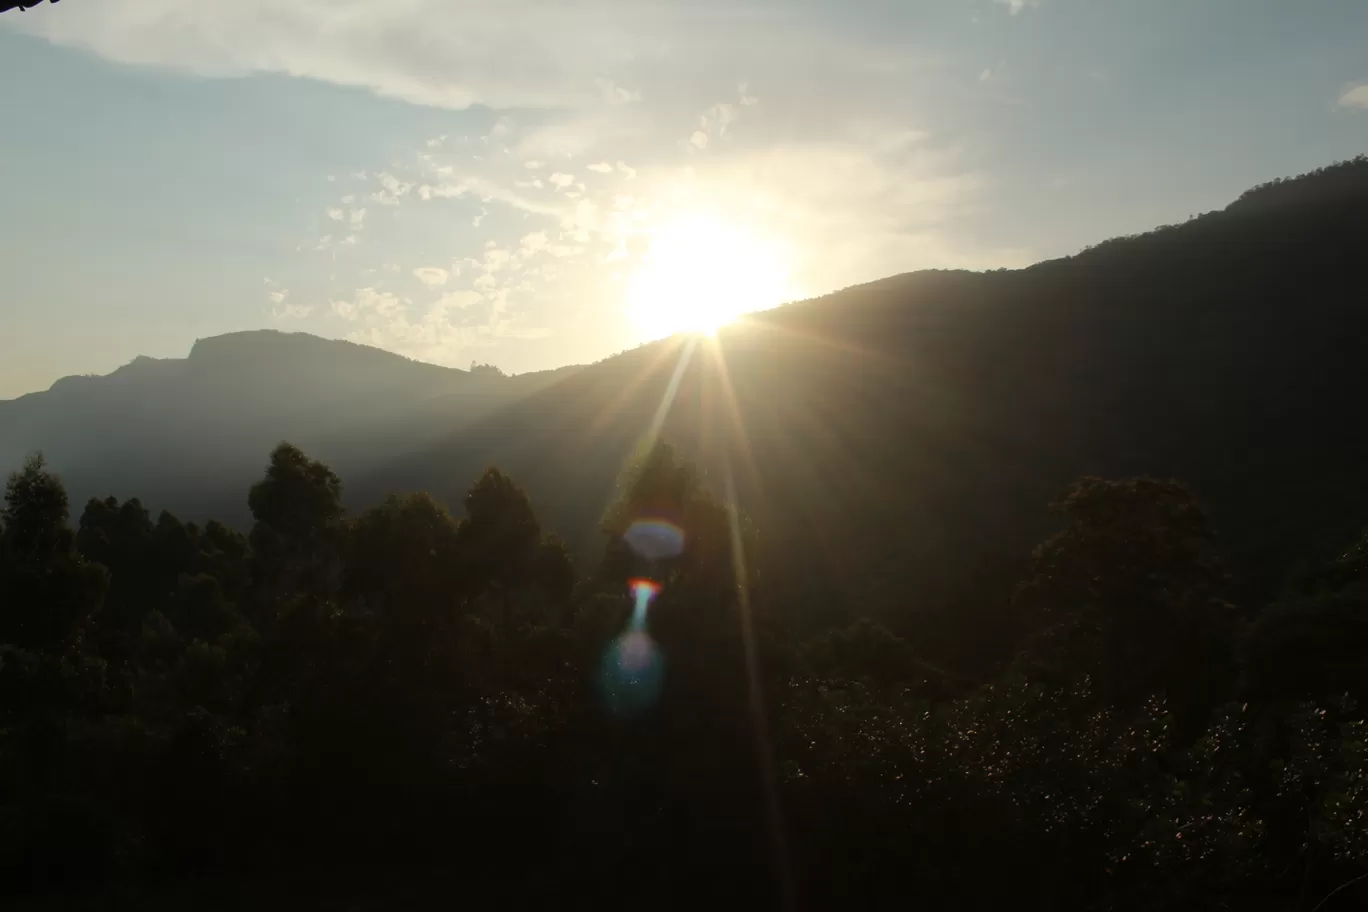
894	421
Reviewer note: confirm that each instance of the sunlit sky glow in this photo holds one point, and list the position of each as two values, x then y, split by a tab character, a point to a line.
531	183
699	272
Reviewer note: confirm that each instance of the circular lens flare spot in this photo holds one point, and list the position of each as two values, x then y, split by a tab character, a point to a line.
655	539
631	674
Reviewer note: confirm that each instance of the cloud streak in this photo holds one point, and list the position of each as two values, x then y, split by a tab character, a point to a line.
1355	97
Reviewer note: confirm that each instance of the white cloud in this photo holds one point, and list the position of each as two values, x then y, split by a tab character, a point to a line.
1355	97
292	312
528	54
562	138
280	310
442	191
717	118
460	300
431	276
1016	6
432	337
369	303
869	203
392	189
532	243
614	94
496	258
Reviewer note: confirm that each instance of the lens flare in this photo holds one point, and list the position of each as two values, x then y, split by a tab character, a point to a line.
633	670
631	674
643	590
655	539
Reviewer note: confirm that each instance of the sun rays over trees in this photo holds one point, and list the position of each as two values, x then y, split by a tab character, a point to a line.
412	701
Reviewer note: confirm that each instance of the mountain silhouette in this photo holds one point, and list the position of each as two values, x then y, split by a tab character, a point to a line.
879	437
192	432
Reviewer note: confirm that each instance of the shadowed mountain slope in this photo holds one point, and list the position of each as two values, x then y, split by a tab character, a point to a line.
893	442
897	440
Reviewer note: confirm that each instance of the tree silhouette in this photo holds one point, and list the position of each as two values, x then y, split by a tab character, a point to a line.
1129	592
49	591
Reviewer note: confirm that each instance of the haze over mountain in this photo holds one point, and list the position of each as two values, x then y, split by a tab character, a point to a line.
188	430
876	435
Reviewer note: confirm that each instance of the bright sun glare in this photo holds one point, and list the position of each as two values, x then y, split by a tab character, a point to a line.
700	272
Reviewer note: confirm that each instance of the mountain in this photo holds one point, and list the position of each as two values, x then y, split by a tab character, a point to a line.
191	433
894	443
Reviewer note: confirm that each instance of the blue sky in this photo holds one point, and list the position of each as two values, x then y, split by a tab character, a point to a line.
486	181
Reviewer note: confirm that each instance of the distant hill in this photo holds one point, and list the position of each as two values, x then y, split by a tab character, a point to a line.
191	433
895	443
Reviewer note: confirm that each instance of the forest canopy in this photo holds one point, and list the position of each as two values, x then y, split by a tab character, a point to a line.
405	700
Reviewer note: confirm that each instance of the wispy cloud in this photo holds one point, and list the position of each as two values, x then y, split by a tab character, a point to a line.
281	309
593	144
392	189
431	276
614	94
500	53
875	198
1355	96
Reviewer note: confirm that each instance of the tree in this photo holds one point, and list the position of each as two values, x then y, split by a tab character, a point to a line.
1129	592
47	591
404	564
500	541
296	540
35	512
1313	642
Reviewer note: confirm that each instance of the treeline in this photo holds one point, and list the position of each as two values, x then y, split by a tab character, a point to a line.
407	705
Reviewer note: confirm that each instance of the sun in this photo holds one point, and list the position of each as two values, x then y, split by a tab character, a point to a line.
700	272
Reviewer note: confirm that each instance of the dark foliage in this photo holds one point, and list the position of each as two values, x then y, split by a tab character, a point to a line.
405	703
843	679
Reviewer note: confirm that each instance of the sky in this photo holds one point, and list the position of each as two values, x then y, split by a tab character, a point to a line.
532	183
